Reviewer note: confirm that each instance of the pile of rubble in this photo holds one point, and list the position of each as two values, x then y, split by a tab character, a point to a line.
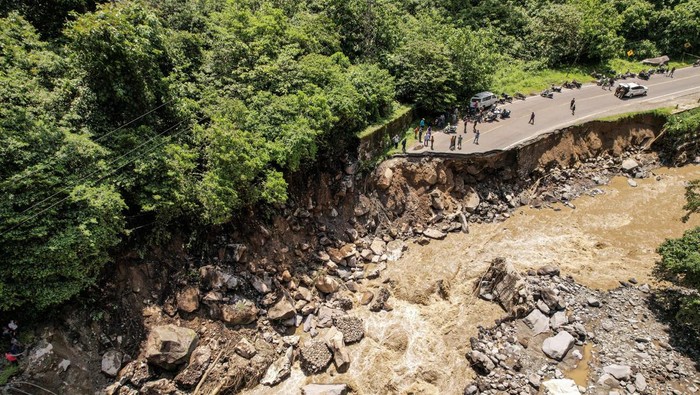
575	340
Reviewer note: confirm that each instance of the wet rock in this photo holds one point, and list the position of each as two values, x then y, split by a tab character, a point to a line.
352	328
282	310
557	346
242	312
434	234
538	322
112	362
335	342
629	164
326	284
279	370
199	362
314	357
188	299
169	345
245	348
503	283
620	372
548	270
480	362
324	389
159	387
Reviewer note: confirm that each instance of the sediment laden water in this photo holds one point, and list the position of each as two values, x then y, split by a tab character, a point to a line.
419	347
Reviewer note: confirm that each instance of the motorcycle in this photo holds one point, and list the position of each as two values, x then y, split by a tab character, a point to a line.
571	85
547	93
505	113
555	88
697	63
519	96
491	116
507	97
643	75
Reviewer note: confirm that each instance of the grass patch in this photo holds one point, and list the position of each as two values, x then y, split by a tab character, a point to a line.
531	78
7	372
399	111
664	111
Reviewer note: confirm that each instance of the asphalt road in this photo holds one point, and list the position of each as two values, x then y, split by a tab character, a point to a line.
592	102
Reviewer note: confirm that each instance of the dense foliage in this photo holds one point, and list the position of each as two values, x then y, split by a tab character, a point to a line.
142	114
680	258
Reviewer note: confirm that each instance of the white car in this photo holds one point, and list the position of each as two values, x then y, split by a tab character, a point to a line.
630	90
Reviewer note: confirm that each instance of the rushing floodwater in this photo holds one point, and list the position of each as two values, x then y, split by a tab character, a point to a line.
419	347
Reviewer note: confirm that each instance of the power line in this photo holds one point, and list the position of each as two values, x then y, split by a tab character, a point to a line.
104	136
66	189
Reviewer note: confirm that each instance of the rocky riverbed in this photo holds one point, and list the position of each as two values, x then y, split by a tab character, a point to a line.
378	296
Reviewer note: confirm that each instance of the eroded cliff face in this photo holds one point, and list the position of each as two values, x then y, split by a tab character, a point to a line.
310	263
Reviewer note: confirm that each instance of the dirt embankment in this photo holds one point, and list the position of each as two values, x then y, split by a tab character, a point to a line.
253	284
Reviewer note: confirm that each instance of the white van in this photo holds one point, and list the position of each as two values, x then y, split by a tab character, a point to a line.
483	100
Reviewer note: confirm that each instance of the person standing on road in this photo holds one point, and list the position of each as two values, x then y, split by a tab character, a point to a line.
459	142
573	109
573	103
532	118
466	120
403	145
476	137
673	70
432	142
422	123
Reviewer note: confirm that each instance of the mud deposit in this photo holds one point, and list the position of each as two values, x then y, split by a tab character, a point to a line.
419	347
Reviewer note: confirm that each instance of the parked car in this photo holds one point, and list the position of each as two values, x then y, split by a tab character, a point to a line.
630	90
483	100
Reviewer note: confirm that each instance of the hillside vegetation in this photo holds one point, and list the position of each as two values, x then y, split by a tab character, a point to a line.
131	118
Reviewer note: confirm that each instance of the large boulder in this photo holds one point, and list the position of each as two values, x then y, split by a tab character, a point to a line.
188	299
557	346
384	180
352	328
326	284
341	356
169	346
282	310
242	312
314	357
216	278
199	362
629	164
279	369
561	387
503	283
378	246
434	234
324	389
480	362
538	322
472	200
112	362
620	372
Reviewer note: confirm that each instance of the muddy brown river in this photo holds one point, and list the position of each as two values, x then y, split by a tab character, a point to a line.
419	347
